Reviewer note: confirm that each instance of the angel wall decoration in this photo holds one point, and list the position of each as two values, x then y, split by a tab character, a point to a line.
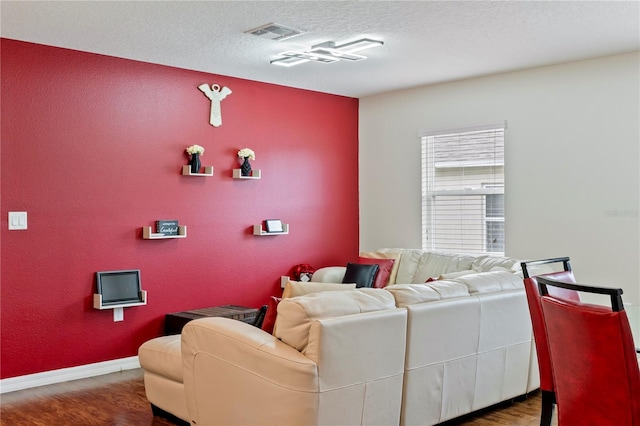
216	95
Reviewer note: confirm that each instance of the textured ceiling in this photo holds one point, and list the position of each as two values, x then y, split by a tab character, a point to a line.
426	42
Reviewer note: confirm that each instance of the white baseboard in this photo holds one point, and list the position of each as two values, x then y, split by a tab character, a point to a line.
66	374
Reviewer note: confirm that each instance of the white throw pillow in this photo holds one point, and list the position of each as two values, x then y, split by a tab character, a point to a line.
434	264
408	265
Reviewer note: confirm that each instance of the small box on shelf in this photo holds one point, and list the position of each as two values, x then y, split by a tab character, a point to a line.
207	171
260	231
255	174
148	234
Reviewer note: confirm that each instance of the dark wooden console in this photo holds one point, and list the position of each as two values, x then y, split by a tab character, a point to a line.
174	322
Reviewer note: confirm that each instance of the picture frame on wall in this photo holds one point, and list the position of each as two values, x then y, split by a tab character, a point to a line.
274	225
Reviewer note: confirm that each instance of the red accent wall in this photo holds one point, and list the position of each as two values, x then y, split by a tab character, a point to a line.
93	148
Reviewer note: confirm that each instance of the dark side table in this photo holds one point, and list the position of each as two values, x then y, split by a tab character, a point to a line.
174	322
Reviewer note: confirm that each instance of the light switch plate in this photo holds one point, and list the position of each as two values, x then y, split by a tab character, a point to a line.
17	220
118	314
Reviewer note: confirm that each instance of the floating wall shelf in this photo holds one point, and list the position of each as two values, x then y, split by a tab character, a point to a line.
259	230
186	171
255	174
148	234
97	302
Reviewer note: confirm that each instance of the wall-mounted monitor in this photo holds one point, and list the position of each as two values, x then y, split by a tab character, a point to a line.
120	288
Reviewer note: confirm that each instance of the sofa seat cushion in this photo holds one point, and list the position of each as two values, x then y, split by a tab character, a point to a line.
295	315
162	356
411	294
491	282
434	264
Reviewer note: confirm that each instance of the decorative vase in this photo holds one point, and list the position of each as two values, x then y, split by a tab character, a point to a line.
246	167
195	163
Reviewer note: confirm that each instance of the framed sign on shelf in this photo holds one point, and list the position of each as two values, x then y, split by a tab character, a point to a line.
274	225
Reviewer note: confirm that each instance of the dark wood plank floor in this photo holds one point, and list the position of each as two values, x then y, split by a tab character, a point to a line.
118	399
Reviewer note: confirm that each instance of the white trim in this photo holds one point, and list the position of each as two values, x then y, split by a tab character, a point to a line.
66	374
453	130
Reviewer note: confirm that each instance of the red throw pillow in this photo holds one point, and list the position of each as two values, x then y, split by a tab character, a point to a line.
384	270
270	315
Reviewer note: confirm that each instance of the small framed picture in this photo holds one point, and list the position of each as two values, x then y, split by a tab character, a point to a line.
274	225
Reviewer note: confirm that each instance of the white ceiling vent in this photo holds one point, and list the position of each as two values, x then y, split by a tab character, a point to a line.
275	32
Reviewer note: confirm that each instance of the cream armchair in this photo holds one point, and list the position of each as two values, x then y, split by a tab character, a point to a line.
336	358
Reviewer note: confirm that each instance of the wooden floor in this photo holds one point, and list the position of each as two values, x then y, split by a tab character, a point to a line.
118	399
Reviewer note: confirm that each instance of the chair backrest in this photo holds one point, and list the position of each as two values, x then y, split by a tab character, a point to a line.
535	310
593	359
566	263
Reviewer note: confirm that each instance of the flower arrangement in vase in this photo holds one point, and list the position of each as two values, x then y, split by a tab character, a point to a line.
195	151
244	155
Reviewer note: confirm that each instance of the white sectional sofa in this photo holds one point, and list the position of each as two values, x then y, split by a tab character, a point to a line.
465	351
469	337
413	353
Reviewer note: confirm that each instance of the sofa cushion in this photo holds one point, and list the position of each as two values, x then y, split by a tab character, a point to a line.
411	294
295	315
299	288
384	270
362	275
408	265
452	275
491	282
270	316
448	289
162	356
434	264
487	263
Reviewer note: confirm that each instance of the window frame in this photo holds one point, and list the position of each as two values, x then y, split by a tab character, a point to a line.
494	163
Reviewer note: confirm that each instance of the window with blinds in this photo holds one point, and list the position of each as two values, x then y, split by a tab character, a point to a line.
463	189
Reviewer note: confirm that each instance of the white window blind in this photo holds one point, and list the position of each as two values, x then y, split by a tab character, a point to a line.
463	190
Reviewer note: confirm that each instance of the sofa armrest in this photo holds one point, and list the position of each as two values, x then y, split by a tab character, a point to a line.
226	361
329	274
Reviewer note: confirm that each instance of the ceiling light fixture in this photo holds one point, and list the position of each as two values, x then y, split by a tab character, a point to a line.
310	56
327	53
358	45
329	49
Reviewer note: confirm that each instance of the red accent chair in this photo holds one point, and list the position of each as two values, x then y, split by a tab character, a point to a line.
539	332
593	358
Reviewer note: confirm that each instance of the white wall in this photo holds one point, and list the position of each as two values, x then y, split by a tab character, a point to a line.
572	162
